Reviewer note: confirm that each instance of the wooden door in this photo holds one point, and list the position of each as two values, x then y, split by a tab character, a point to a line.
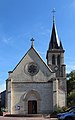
32	107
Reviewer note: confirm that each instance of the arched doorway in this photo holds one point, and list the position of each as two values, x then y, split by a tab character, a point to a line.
32	102
32	107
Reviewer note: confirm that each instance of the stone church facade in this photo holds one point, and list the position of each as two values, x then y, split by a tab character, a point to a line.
34	87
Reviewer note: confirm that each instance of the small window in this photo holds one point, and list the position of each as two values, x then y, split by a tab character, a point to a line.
53	59
58	59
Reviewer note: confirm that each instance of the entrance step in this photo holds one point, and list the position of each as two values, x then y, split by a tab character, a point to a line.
20	115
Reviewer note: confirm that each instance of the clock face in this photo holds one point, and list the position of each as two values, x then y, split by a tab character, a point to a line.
32	69
56	68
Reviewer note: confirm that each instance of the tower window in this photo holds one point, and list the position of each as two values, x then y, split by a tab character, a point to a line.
53	59
58	60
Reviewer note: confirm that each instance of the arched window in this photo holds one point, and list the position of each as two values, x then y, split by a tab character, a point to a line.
53	59
58	60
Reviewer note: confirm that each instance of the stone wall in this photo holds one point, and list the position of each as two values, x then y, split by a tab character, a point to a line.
19	97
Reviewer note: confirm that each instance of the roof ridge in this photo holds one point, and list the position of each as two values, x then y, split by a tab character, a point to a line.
26	54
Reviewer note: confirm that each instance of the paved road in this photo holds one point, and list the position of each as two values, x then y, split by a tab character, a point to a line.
26	118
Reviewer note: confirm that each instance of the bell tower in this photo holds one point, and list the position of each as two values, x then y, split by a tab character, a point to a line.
55	54
55	60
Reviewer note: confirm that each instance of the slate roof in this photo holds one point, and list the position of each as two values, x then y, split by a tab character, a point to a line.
54	41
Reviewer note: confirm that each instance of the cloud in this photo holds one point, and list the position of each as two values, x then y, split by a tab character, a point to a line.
7	40
42	53
70	67
2	81
72	5
70	63
2	87
45	33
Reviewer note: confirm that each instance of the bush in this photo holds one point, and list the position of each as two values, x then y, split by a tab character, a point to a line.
64	108
53	114
58	110
1	113
2	109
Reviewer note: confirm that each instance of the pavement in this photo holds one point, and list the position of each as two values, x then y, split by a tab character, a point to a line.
26	118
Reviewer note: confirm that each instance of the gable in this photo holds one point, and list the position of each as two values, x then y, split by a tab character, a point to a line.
32	59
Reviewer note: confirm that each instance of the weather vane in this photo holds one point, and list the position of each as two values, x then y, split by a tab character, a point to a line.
53	11
32	42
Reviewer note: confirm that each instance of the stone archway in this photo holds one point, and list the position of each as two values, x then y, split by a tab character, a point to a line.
32	102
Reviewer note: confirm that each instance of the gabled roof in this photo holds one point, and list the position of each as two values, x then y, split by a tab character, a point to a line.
37	55
54	41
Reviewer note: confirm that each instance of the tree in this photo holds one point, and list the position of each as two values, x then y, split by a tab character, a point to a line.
71	88
71	99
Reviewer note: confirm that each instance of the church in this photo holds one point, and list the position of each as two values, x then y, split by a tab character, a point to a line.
36	87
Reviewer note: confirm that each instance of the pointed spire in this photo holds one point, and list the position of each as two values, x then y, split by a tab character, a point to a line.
61	47
54	41
32	42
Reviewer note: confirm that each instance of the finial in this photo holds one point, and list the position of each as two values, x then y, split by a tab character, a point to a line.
32	42
53	11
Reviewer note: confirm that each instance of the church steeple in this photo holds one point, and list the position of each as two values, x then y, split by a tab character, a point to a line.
55	52
55	60
54	41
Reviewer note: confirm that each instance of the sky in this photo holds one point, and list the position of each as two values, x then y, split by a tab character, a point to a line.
20	20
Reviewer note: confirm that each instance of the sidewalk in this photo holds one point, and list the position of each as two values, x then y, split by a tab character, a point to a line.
26	118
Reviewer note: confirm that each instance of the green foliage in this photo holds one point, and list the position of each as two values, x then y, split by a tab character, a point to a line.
58	110
3	109
71	99
71	88
63	109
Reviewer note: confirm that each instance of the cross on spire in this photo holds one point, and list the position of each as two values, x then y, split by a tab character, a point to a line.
32	42
53	11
